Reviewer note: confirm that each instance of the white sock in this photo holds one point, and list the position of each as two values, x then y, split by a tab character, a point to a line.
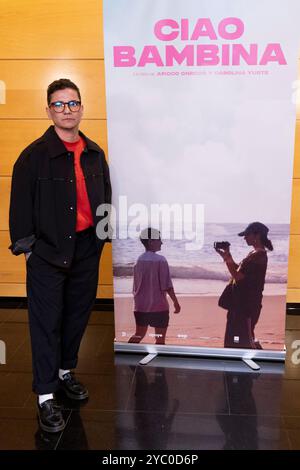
42	398
62	372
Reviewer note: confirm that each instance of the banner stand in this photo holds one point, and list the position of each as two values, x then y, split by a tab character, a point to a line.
147	359
251	363
246	355
201	115
186	363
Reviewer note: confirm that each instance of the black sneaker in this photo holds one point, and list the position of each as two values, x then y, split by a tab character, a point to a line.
50	416
73	388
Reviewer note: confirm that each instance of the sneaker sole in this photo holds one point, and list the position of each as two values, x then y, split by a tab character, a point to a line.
49	428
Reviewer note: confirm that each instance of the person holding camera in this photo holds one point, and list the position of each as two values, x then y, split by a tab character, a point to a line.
243	295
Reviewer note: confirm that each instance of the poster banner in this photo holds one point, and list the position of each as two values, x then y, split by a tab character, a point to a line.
201	123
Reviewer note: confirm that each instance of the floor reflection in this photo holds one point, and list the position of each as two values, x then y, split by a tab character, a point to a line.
74	435
151	426
243	434
177	403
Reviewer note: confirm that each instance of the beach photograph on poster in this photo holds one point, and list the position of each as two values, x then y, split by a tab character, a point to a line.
201	114
199	278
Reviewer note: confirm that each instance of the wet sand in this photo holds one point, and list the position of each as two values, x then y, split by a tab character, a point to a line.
202	323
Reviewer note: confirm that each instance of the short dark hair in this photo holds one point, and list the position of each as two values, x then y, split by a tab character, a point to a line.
61	84
149	234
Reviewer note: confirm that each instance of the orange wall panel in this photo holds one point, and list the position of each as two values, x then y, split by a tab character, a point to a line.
40	42
15	135
13	267
294	262
5	182
27	81
297	151
295	213
51	29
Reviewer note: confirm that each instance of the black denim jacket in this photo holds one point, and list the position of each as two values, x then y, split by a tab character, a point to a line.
42	214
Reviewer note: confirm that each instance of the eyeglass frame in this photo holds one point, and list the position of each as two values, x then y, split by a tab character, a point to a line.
66	103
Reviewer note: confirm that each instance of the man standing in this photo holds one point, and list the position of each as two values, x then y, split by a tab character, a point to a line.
58	183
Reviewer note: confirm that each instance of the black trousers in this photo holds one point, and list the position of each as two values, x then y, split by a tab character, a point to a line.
59	305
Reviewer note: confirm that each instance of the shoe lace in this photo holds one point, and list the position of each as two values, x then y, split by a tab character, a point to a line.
52	407
69	377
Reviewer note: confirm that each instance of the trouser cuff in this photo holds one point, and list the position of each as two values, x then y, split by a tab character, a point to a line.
68	364
43	389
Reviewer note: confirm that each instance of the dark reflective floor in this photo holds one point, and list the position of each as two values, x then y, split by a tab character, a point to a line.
172	403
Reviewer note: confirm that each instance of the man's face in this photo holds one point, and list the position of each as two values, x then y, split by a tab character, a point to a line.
66	120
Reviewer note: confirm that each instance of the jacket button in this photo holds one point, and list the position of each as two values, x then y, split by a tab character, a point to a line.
69	155
70	236
71	181
71	208
65	262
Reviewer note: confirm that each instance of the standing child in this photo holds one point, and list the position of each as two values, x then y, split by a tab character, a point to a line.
151	283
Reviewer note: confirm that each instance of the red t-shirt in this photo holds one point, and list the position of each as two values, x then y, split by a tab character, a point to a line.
84	217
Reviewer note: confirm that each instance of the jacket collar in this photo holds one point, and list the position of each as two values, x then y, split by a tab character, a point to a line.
56	146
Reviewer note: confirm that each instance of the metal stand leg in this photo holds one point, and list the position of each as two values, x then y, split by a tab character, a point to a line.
147	359
251	363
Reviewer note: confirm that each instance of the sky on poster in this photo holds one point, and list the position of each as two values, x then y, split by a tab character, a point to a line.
225	142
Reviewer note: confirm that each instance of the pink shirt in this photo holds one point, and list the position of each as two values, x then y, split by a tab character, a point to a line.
151	280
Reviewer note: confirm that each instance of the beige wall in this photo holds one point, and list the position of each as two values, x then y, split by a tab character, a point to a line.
48	39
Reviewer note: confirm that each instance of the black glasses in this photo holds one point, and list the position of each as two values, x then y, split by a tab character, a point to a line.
59	106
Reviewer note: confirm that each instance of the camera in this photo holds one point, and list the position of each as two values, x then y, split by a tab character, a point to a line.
221	245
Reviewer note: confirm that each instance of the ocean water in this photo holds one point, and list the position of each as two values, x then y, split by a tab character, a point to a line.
205	263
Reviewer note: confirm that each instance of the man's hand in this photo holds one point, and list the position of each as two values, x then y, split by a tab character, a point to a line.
176	307
27	255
